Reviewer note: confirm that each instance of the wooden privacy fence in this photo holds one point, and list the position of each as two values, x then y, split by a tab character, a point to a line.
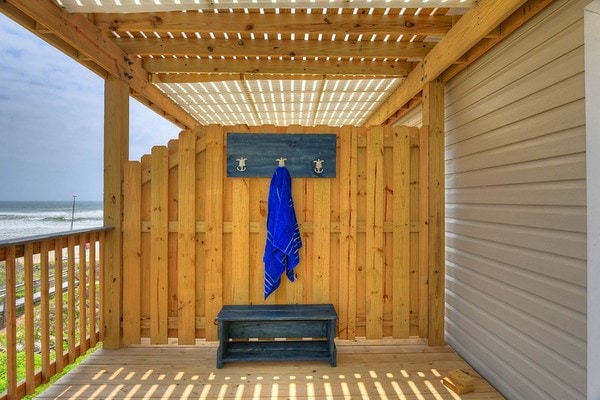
194	238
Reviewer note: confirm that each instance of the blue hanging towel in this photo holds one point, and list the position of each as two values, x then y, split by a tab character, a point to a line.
282	250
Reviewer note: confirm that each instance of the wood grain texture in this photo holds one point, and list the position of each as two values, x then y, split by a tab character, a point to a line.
375	369
401	233
159	237
132	243
361	234
433	116
214	224
116	145
186	238
374	234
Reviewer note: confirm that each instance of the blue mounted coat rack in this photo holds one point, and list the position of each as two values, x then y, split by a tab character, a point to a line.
304	155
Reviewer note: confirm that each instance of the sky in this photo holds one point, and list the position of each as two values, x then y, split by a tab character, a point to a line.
51	122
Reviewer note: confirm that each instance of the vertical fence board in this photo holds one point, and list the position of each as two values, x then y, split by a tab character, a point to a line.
296	292
258	213
186	248
214	226
200	187
415	329
423	232
240	241
361	249
401	232
132	242
388	233
321	239
306	270
374	234
347	262
172	232
159	302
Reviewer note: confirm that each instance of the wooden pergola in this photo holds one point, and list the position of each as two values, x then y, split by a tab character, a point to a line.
363	63
181	239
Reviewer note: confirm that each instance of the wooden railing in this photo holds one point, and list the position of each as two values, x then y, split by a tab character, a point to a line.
56	316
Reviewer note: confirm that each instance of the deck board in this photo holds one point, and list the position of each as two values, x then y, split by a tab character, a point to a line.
382	369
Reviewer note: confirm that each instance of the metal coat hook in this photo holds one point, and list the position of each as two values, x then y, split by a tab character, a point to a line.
318	166
281	161
241	164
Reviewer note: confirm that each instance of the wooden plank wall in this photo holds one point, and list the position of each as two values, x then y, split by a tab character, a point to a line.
194	238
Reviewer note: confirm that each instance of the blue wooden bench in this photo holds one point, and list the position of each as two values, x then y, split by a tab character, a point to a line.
256	333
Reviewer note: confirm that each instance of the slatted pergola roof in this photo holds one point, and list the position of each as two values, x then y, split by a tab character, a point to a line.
280	62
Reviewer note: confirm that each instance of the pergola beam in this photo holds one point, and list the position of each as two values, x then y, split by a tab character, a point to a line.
91	6
285	67
465	34
339	24
199	78
273	48
80	34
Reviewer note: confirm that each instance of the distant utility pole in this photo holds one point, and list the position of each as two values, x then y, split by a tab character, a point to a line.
73	211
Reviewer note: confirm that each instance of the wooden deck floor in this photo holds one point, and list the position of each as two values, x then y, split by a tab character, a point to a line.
386	369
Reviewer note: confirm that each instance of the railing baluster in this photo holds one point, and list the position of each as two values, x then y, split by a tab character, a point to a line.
10	315
58	305
45	309
29	326
101	289
82	294
92	291
71	298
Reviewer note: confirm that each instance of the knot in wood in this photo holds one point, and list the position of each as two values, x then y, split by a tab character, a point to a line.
156	20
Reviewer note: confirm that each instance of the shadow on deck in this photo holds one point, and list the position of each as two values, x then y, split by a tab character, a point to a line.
382	369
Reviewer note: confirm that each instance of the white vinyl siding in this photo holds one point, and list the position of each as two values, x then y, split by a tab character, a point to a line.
516	210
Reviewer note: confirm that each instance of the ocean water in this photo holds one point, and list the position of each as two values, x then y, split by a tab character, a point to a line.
20	219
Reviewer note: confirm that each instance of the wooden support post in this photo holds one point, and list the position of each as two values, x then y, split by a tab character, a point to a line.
433	117
116	152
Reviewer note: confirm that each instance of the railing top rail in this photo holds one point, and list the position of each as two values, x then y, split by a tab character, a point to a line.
50	236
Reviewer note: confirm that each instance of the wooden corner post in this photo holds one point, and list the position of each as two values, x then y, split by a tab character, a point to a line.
433	121
116	153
